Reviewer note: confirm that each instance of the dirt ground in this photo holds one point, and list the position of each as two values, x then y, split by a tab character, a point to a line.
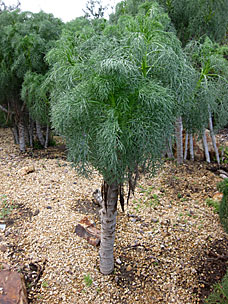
170	246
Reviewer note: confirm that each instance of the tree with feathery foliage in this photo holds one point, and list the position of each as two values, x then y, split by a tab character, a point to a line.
25	38
115	93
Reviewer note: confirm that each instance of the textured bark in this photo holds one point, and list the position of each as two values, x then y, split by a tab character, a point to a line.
186	147
179	141
47	137
170	148
15	135
206	151
40	134
21	130
191	147
213	139
31	130
108	225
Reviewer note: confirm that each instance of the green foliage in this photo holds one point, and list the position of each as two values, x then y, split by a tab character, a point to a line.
224	153
219	294
223	209
6	207
36	94
25	38
115	93
193	18
211	94
215	204
88	280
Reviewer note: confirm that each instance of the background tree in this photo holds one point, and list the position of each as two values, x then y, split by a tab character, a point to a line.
211	94
25	39
114	101
4	7
95	9
193	19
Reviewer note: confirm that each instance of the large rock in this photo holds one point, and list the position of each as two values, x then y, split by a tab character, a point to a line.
12	288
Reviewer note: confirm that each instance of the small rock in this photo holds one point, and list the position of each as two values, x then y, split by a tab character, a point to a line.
133	220
223	176
129	268
153	220
36	212
3	227
118	261
3	248
7	233
49	207
26	170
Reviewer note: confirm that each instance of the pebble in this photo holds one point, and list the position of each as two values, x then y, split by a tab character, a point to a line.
3	227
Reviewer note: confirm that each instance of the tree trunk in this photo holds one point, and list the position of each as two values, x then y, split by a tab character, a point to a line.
213	139
47	137
21	131
108	226
186	147
30	130
170	148
40	134
179	141
191	147
15	135
207	155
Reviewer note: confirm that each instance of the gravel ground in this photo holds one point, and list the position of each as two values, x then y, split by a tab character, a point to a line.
162	240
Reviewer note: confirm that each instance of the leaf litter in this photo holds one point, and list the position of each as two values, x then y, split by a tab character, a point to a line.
170	246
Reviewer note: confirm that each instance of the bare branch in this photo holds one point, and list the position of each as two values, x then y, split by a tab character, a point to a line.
5	110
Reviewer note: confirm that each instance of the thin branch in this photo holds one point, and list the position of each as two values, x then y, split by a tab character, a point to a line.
5	110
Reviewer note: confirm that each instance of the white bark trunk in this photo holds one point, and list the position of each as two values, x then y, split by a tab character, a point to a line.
108	227
40	134
186	147
191	147
21	131
207	155
30	130
47	137
15	135
179	141
213	139
170	148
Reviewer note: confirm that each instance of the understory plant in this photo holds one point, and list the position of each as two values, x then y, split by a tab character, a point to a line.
223	208
219	294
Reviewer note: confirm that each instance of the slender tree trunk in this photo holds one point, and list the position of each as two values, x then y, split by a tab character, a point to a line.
186	147
170	148
47	137
15	135
213	139
40	134
179	141
108	225
21	131
207	155
191	147
31	130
